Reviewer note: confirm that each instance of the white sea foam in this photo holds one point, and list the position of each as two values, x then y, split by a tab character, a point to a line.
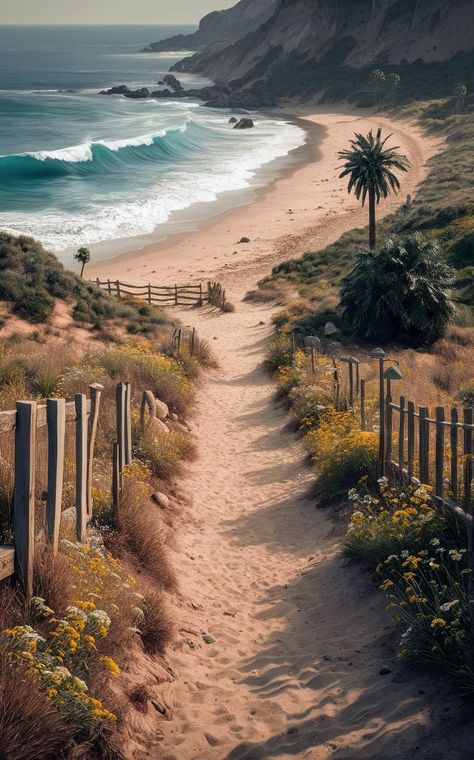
229	168
74	154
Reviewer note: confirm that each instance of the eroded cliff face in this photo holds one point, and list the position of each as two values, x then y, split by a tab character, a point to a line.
353	32
220	27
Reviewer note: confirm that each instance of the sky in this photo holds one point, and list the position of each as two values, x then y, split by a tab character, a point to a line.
107	11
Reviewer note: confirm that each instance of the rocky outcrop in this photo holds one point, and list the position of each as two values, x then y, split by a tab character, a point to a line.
244	123
220	27
122	89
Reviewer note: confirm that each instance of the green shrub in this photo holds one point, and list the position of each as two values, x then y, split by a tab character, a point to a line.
164	452
355	459
279	353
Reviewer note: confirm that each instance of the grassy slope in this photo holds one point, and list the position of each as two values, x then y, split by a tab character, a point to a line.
32	279
444	208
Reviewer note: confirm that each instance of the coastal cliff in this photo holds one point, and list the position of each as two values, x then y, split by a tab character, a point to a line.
220	28
355	33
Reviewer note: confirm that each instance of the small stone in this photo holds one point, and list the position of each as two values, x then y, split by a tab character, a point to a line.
161	499
261	322
158	426
385	670
292	730
159	707
196	606
174	417
244	240
208	639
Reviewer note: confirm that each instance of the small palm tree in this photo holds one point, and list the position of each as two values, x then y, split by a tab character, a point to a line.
402	293
370	167
83	256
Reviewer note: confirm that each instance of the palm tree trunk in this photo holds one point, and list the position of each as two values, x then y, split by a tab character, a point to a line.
82	268
372	227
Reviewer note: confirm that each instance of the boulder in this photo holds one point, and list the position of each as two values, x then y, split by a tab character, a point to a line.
120	89
67	526
233	120
162	411
157	426
244	123
244	240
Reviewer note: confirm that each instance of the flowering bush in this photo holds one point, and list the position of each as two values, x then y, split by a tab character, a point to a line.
60	658
398	519
324	442
430	595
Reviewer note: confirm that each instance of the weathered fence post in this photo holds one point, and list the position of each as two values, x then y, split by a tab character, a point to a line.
116	478
56	418
120	393
193	342
439	461
424	441
109	287
411	437
351	384
24	493
178	345
175	295
389	425
401	435
96	392
454	452
468	451
149	293
313	361
80	401
117	285
363	421
200	294
128	424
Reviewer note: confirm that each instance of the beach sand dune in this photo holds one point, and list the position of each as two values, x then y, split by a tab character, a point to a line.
296	636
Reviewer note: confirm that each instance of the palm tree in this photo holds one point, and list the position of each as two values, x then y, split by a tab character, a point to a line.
83	256
370	167
401	293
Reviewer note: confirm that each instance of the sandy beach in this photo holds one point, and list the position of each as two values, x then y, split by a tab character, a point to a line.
298	636
307	207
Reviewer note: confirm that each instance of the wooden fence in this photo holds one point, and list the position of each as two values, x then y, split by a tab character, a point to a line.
24	423
172	295
414	445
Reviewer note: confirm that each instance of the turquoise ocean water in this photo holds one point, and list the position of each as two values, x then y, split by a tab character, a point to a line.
77	168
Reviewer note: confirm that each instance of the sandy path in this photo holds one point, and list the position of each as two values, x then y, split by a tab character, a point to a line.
299	636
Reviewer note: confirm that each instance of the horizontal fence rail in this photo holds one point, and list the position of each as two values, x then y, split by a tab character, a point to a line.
211	293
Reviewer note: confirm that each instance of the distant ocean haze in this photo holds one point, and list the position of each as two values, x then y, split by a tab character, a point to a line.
79	168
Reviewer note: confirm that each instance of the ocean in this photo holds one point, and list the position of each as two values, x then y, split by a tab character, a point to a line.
78	168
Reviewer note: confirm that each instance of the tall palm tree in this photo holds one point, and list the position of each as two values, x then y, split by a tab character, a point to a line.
370	167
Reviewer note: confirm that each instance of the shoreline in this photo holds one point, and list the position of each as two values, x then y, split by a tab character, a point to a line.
305	208
191	219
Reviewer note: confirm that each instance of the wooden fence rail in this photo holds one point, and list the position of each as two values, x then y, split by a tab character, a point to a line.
167	295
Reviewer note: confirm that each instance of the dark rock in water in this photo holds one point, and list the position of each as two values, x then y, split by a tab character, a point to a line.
171	81
244	123
162	94
233	120
122	89
143	92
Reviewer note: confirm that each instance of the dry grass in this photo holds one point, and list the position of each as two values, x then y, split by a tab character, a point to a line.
53	578
143	534
157	628
30	727
165	452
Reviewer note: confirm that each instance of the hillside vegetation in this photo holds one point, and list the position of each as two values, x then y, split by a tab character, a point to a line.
33	281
